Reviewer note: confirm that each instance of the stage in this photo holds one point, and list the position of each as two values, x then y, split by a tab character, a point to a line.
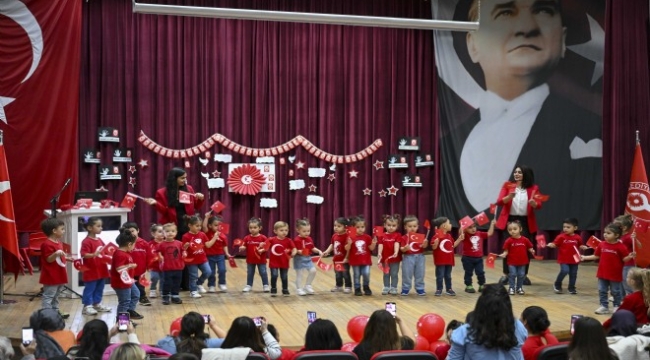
288	314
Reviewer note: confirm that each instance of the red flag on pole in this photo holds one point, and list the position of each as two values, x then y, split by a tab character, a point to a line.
638	205
8	233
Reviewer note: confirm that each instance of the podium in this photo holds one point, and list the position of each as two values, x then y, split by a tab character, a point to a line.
75	232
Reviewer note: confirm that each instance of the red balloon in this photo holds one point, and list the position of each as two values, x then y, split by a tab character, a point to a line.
356	326
349	346
421	343
431	326
175	327
440	348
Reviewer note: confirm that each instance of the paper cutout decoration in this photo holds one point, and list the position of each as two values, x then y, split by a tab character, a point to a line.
541	241
481	218
593	242
108	134
640	226
144	281
466	222
300	165
184	197
491	258
79	265
110	172
122	155
408	143
291	158
205	175
91	156
224	158
296	184
422	160
217	207
353	173
203	161
231	261
339	266
316	172
315	199
541	197
493	208
246	180
397	161
378	231
265	160
223	228
427	224
125	277
268	203
218	183
129	201
411	180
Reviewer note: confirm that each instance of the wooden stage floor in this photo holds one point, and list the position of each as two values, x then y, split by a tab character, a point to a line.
288	314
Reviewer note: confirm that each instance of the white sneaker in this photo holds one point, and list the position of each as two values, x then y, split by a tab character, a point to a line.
347	290
89	310
266	288
153	294
247	288
337	289
602	310
301	292
195	295
223	287
212	289
102	308
201	289
309	290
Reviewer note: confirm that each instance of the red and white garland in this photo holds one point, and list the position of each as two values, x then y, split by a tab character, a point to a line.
255	152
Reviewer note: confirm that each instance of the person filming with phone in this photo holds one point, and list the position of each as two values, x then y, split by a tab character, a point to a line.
247	335
192	337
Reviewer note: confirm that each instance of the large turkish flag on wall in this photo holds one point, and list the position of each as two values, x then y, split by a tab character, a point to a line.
39	101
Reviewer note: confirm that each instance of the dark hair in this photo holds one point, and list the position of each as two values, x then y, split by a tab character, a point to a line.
439	221
125	237
357	219
406	343
453	325
380	333
570	221
154	226
394	217
91	221
470	316
625	221
322	335
409	218
342	220
493	325
273	331
194	219
244	333
528	176
214	218
255	220
131	225
50	224
171	184
302	222
536	319
615	228
94	340
516	222
192	335
589	341
184	356
623	323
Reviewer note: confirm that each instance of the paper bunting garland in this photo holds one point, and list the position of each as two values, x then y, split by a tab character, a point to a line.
246	180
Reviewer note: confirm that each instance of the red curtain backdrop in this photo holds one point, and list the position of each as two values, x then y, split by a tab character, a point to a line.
181	79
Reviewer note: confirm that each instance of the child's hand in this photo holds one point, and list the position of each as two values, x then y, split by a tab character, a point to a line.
633	254
150	201
532	251
186	245
208	213
582	258
502	255
60	253
374	240
345	260
582	247
242	248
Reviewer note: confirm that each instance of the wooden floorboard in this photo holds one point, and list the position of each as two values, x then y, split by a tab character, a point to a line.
289	313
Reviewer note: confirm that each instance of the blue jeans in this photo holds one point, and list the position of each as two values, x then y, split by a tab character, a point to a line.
93	292
390	279
627	289
156	276
194	274
516	273
614	286
473	265
250	273
572	270
443	272
127	299
217	262
343	277
413	266
359	271
171	284
283	278
51	295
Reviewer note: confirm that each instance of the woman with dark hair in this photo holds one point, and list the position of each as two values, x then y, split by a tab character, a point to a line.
492	332
192	337
244	333
589	342
169	205
536	321
95	339
322	334
381	334
518	203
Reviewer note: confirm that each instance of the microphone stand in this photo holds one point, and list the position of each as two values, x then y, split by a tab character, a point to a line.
55	199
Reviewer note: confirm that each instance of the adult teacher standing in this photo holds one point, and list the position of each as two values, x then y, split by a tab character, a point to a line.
518	203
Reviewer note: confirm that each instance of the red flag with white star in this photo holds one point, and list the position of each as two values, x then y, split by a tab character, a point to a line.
8	233
638	205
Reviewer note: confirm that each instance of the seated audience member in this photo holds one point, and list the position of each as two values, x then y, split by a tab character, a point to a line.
287	354
192	337
95	338
636	302
589	342
443	350
128	351
622	323
381	334
6	350
406	343
322	334
49	332
184	356
536	321
243	333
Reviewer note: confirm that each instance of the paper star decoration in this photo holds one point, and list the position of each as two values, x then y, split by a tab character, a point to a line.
143	163
382	193
312	188
378	165
132	169
331	177
132	181
593	49
300	165
102	188
367	192
216	173
353	174
392	190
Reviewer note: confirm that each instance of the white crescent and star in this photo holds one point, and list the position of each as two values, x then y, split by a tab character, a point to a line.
442	246
246	179
273	250
5	186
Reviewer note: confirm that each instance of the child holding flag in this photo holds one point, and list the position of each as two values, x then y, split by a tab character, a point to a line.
568	243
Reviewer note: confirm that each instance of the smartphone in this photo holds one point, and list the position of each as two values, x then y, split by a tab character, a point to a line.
258	321
123	319
206	318
573	321
28	336
391	307
311	317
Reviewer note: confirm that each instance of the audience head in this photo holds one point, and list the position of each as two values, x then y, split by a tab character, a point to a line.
380	333
184	356
322	334
128	351
46	320
6	350
94	340
192	335
535	319
406	343
623	323
453	325
244	333
493	325
588	341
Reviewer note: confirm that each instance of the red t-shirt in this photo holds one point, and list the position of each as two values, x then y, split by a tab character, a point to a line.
280	252
153	251
199	254
517	250
217	247
96	269
171	253
338	246
141	254
52	273
610	266
634	303
120	259
413	248
567	245
388	247
252	243
303	243
444	253
359	252
473	244
629	244
534	342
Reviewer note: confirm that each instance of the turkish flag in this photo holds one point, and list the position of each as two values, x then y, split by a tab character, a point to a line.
593	242
378	231
217	207
351	230
541	197
511	186
184	197
481	218
638	205
323	266
640	226
427	224
144	281
491	258
109	249
8	234
384	268
415	238
237	242
129	201
223	228
339	266
465	222
541	241
79	265
231	261
305	252
493	208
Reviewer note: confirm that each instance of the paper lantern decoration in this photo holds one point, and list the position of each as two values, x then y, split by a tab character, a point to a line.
246	180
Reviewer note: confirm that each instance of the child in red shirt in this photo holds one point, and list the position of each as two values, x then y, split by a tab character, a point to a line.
157	236
255	255
627	224
568	257
413	263
472	259
93	278
302	260
141	253
53	270
360	249
194	243
337	246
443	254
122	273
613	255
170	253
388	253
514	250
216	253
281	249
639	280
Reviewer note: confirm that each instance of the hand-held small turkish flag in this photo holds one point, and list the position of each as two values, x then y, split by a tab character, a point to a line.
223	228
465	222
323	266
384	268
186	257
144	281
491	258
576	256
266	245
217	207
541	197
351	230
640	226
493	208
539	257
129	200
231	261
109	249
481	218
79	265
440	233
378	231
125	277
237	242
184	197
427	224
415	238
593	242
541	241
511	186
338	266
66	247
